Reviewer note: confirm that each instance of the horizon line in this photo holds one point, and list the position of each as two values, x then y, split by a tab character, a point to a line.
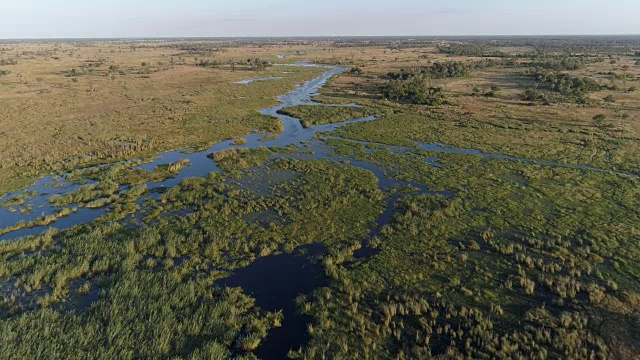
314	36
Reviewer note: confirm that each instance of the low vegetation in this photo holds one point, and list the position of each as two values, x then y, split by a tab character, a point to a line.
240	159
312	115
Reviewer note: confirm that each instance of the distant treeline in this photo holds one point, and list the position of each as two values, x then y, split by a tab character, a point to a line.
479	50
252	64
449	69
561	62
203	48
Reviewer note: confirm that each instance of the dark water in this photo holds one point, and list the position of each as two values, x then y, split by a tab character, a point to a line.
275	282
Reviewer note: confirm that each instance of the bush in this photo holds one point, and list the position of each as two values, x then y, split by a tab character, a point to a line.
493	92
534	95
8	62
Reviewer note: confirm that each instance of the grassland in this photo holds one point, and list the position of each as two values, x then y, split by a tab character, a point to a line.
504	123
71	104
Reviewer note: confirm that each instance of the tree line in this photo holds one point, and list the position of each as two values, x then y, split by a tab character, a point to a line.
253	64
448	69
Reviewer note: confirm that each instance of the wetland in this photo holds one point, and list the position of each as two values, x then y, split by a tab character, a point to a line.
389	199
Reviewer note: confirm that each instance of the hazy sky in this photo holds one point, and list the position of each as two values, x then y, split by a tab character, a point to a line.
160	18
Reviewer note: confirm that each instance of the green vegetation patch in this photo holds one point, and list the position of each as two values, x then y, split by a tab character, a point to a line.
240	159
312	115
18	200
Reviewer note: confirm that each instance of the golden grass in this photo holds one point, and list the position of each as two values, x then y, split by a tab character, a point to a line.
117	108
114	107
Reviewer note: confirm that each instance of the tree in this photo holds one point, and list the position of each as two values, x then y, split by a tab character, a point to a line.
416	90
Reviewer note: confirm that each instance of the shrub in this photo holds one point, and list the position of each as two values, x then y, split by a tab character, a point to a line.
534	95
178	165
8	62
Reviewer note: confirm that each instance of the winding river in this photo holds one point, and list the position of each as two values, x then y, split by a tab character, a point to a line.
200	164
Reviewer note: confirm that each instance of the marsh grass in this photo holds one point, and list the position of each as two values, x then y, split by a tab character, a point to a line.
312	115
240	159
240	141
140	266
18	200
453	276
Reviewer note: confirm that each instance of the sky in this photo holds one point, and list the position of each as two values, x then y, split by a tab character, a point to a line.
240	18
